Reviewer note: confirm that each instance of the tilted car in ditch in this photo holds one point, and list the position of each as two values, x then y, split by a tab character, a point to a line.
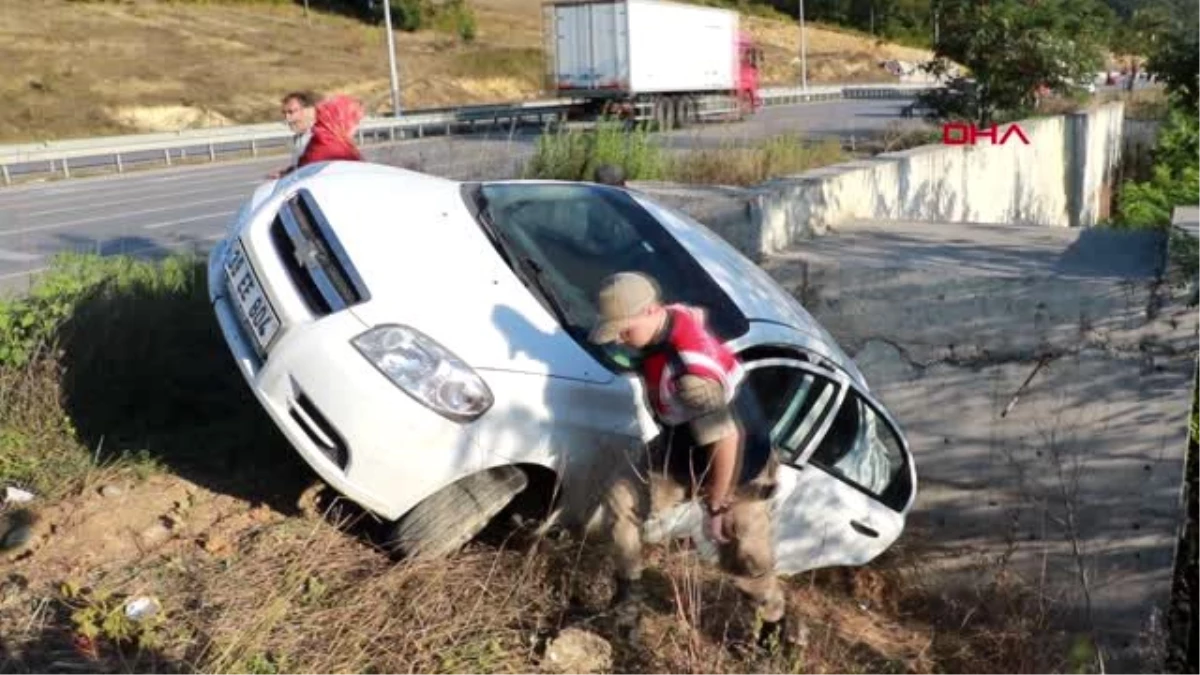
423	345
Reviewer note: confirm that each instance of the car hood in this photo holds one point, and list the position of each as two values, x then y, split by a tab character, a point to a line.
426	263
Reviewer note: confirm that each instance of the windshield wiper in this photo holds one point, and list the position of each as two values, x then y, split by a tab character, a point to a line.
561	307
526	269
489	228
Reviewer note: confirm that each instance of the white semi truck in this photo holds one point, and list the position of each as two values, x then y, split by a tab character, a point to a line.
649	59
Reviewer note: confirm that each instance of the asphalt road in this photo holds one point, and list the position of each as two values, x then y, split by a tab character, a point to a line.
154	212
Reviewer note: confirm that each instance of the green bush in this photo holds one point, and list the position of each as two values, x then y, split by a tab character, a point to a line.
31	324
118	358
455	17
1175	176
574	155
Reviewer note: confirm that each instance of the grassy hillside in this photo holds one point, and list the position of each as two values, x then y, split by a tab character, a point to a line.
78	69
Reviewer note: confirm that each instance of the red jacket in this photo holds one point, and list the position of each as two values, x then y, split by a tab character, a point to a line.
689	349
337	119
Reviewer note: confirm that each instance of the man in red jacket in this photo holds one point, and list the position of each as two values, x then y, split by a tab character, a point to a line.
713	446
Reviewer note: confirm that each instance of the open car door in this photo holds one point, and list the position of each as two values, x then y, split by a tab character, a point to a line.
846	480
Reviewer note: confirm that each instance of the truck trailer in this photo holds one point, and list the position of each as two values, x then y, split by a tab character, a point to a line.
650	59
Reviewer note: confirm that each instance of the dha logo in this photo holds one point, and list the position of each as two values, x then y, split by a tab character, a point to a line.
962	133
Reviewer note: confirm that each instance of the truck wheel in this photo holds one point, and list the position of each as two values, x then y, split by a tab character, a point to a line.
663	113
446	520
681	112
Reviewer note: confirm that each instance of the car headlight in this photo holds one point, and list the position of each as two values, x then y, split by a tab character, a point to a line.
426	370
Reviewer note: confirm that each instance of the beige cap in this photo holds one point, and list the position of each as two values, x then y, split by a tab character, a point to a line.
622	296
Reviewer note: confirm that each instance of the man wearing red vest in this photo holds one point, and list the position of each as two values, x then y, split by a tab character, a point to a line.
712	446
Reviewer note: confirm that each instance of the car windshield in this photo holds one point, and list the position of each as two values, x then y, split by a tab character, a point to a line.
564	239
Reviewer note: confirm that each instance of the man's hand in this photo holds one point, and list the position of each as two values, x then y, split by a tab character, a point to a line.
717	528
700	393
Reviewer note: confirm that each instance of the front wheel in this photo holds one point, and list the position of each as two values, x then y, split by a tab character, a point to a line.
446	520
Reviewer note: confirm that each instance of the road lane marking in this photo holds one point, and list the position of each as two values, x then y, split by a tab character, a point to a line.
82	221
156	226
17	256
131	199
130	190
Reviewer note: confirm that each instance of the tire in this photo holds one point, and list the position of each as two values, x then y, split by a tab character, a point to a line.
682	117
446	520
662	113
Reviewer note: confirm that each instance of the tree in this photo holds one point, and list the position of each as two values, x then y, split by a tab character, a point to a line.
1014	47
1176	59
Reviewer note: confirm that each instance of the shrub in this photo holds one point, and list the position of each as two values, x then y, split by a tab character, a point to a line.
1175	177
574	155
778	156
123	360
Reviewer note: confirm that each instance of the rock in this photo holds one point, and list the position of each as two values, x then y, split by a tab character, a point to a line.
214	543
156	533
111	491
16	529
578	651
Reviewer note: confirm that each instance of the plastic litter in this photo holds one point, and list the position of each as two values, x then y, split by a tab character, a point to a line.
14	495
684	521
142	607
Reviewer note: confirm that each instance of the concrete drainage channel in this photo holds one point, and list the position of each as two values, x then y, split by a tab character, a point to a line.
1044	377
1183	622
1043	372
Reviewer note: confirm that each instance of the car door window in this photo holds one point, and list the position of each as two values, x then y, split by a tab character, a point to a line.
818	418
863	448
798	402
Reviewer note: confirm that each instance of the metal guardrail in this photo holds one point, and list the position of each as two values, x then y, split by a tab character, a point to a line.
118	151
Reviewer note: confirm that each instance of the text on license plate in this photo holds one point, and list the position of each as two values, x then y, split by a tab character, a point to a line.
249	297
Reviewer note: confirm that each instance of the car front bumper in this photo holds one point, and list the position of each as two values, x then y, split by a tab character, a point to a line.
364	436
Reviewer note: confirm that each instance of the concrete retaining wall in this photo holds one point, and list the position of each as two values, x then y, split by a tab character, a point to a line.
1062	178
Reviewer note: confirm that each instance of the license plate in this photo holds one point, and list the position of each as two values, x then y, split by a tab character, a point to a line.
252	303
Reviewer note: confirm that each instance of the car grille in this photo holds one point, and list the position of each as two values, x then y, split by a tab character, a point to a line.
314	258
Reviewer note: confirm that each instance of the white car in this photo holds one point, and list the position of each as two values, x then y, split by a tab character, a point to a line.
422	343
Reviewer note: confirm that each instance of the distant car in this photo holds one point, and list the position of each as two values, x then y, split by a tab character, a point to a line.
422	343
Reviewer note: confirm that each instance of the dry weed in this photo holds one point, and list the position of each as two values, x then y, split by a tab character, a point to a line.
775	157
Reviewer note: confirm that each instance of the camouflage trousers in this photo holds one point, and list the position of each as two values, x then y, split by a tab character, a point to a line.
644	486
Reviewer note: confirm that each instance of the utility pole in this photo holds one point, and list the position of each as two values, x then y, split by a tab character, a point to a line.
936	5
391	43
803	51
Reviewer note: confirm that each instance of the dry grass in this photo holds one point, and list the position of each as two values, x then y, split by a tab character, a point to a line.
1143	104
79	69
775	157
574	155
834	55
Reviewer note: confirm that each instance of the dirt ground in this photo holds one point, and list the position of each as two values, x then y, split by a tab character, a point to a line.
246	587
79	69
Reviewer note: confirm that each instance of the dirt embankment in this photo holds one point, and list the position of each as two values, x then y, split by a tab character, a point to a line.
80	69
